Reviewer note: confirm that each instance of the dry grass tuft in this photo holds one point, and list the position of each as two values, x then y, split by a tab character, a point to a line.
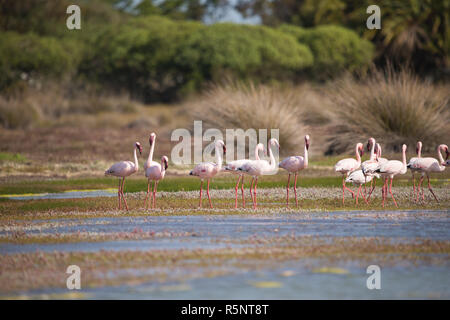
246	106
393	107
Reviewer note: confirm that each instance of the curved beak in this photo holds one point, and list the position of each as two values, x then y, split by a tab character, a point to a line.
224	149
368	146
307	144
151	140
140	149
166	164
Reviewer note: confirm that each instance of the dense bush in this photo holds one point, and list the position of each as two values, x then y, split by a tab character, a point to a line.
28	56
244	51
335	49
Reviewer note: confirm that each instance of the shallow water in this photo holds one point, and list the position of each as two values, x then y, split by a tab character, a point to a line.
214	231
71	194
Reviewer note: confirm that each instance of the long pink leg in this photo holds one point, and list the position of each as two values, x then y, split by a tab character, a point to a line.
295	190
118	194
357	194
414	184
431	190
374	181
254	192
390	191
384	191
123	196
147	195
287	190
242	190
154	194
364	197
236	192
200	201
418	188
209	197
251	192
343	189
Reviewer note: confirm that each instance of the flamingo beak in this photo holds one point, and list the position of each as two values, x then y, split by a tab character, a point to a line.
368	146
224	149
362	151
151	139
307	144
166	165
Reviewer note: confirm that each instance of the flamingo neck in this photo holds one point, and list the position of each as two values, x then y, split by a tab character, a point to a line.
404	168
257	153
150	155
372	152
163	168
136	164
273	164
441	159
219	158
419	151
305	157
358	157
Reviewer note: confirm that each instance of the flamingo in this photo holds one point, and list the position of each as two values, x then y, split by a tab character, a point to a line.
293	165
207	170
234	165
411	167
358	178
124	169
378	152
390	169
154	171
368	167
257	168
347	166
428	165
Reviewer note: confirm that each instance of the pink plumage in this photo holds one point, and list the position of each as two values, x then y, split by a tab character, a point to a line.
347	166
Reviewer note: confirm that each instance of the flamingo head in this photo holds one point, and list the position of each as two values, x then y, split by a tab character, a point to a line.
220	143
307	142
274	141
139	147
418	147
165	162
447	152
370	143
360	148
152	138
404	147
378	148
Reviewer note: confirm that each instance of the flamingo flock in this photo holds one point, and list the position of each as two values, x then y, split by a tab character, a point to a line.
352	170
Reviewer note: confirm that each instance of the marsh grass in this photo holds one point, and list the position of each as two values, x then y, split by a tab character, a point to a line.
393	107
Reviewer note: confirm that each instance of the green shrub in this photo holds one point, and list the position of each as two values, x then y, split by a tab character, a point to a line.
241	50
28	56
335	49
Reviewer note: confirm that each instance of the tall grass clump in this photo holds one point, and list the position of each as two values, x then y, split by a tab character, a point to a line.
394	107
250	106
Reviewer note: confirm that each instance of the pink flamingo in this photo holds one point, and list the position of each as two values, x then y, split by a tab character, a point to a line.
390	169
293	165
154	171
124	169
347	166
368	167
207	170
358	178
257	168
411	162
428	165
233	168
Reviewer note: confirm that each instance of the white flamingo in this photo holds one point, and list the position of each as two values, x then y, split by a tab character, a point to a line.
293	165
257	168
411	162
390	169
124	169
233	168
154	171
428	165
347	166
359	179
207	170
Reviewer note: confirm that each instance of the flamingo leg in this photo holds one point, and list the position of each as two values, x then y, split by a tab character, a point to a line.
209	197
200	201
254	192
357	194
390	191
147	195
343	189
236	191
118	194
295	190
242	190
414	184
418	188
251	191
431	190
384	190
374	181
154	194
123	196
287	190
364	197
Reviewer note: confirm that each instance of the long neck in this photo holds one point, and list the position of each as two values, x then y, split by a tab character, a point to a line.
150	155
257	152
273	164
441	159
218	158
404	168
358	157
136	164
305	157
163	168
372	152
419	151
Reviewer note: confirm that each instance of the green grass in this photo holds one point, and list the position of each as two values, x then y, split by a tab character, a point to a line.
12	157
